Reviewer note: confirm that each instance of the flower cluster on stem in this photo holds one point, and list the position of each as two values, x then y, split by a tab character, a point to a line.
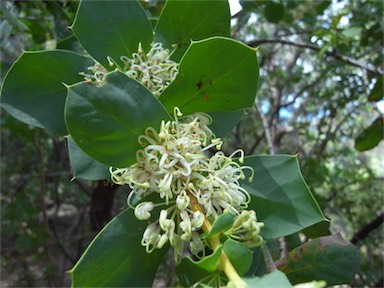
155	70
175	164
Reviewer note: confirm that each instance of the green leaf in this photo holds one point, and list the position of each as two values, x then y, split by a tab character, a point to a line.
183	21
189	272
112	28
371	136
329	258
223	122
84	166
318	229
239	255
115	258
274	12
33	90
217	74
106	121
280	196
273	279
221	224
258	267
376	93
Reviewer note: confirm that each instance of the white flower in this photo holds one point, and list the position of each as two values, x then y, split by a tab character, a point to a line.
155	70
182	201
197	220
142	210
174	164
151	237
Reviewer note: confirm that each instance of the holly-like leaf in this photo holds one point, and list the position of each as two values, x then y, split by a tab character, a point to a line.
105	122
183	21
329	258
33	90
115	258
189	271
85	167
112	28
216	74
280	196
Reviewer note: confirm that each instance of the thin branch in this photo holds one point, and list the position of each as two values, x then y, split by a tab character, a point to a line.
36	141
313	47
58	242
364	232
266	127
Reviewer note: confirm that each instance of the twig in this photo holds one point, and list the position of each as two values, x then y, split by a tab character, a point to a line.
36	141
266	128
57	238
313	47
364	232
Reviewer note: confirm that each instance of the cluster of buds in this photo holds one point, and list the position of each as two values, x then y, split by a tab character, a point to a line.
246	229
174	164
155	70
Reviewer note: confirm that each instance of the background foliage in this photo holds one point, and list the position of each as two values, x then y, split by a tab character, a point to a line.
321	68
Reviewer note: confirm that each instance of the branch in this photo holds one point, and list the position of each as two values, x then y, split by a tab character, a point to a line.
313	47
266	128
364	232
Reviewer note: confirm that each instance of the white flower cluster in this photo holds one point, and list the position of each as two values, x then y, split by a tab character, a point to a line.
155	70
174	164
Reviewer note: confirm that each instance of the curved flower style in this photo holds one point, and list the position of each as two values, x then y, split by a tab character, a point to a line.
174	163
155	70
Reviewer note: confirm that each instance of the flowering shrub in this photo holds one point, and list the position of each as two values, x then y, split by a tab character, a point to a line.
229	212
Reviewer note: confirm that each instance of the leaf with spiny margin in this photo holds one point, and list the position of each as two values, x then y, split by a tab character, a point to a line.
189	271
116	258
112	28
183	21
33	90
280	196
85	167
215	74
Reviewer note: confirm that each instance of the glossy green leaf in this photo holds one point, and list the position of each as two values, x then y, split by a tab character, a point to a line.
106	122
115	258
183	21
216	74
329	258
273	279
112	28
189	272
239	255
33	90
221	224
371	136
224	122
318	229
84	166
280	196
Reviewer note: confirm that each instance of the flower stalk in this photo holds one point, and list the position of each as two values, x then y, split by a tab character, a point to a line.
224	265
